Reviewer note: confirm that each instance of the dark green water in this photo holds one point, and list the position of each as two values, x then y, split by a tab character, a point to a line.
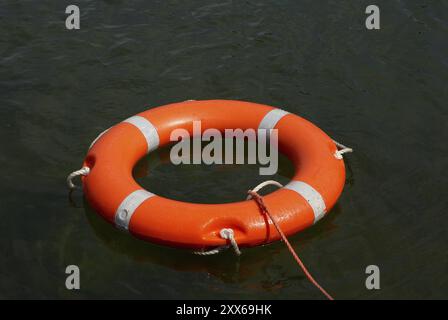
383	92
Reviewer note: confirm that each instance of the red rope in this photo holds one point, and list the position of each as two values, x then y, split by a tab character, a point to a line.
259	200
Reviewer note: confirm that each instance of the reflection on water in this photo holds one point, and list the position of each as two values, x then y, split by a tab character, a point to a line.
381	92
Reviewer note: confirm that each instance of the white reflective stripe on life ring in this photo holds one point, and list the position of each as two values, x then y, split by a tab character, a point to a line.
311	195
147	129
271	118
128	206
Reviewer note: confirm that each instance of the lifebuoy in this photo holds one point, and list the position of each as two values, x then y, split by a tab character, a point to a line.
111	190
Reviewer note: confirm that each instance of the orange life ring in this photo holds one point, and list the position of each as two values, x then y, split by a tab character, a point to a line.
111	190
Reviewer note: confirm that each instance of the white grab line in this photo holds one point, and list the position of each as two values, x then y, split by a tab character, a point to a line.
264	184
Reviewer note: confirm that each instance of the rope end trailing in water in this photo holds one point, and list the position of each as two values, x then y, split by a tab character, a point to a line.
259	200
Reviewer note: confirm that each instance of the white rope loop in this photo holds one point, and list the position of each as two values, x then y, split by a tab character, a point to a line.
342	149
84	171
264	184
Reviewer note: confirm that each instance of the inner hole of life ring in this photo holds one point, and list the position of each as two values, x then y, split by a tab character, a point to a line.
206	183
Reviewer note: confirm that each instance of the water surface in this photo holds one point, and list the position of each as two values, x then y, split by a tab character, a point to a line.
382	92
